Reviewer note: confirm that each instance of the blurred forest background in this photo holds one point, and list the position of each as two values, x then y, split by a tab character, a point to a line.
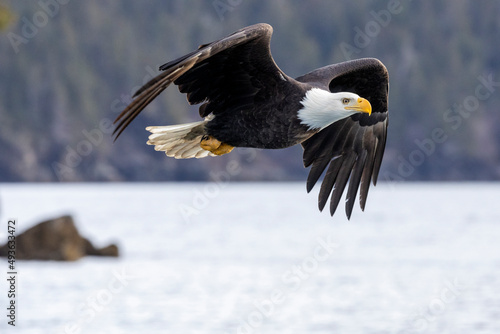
69	67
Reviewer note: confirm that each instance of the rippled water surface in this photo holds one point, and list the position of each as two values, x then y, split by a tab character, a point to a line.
259	258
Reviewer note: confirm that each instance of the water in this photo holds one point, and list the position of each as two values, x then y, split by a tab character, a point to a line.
259	258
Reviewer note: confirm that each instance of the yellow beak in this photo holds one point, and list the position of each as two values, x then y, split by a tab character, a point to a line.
362	106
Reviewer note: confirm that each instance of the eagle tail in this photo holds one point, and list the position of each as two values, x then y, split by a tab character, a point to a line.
180	141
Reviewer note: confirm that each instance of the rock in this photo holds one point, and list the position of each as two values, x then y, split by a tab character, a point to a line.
111	250
56	239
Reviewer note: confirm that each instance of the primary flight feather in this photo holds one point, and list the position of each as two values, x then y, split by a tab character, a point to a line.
338	113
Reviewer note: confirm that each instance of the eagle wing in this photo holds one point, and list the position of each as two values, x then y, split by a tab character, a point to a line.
233	72
353	147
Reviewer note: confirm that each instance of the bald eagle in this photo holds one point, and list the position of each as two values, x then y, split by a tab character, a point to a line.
338	113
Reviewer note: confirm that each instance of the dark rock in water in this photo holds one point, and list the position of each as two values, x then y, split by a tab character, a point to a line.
56	239
111	250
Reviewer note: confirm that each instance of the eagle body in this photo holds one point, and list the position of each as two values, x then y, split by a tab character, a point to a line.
273	125
338	113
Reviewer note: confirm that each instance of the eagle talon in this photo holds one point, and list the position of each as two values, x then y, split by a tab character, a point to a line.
211	144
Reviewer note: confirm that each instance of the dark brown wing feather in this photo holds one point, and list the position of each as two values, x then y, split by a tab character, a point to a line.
354	147
229	73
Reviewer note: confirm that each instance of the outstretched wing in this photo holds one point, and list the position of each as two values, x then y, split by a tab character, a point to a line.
229	73
353	148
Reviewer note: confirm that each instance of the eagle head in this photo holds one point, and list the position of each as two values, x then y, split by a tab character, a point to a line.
322	108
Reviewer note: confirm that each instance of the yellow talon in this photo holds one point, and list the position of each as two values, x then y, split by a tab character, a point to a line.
211	144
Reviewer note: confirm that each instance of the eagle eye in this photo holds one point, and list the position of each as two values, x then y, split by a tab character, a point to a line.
345	100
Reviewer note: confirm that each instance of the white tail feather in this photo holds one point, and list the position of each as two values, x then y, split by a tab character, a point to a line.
180	141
